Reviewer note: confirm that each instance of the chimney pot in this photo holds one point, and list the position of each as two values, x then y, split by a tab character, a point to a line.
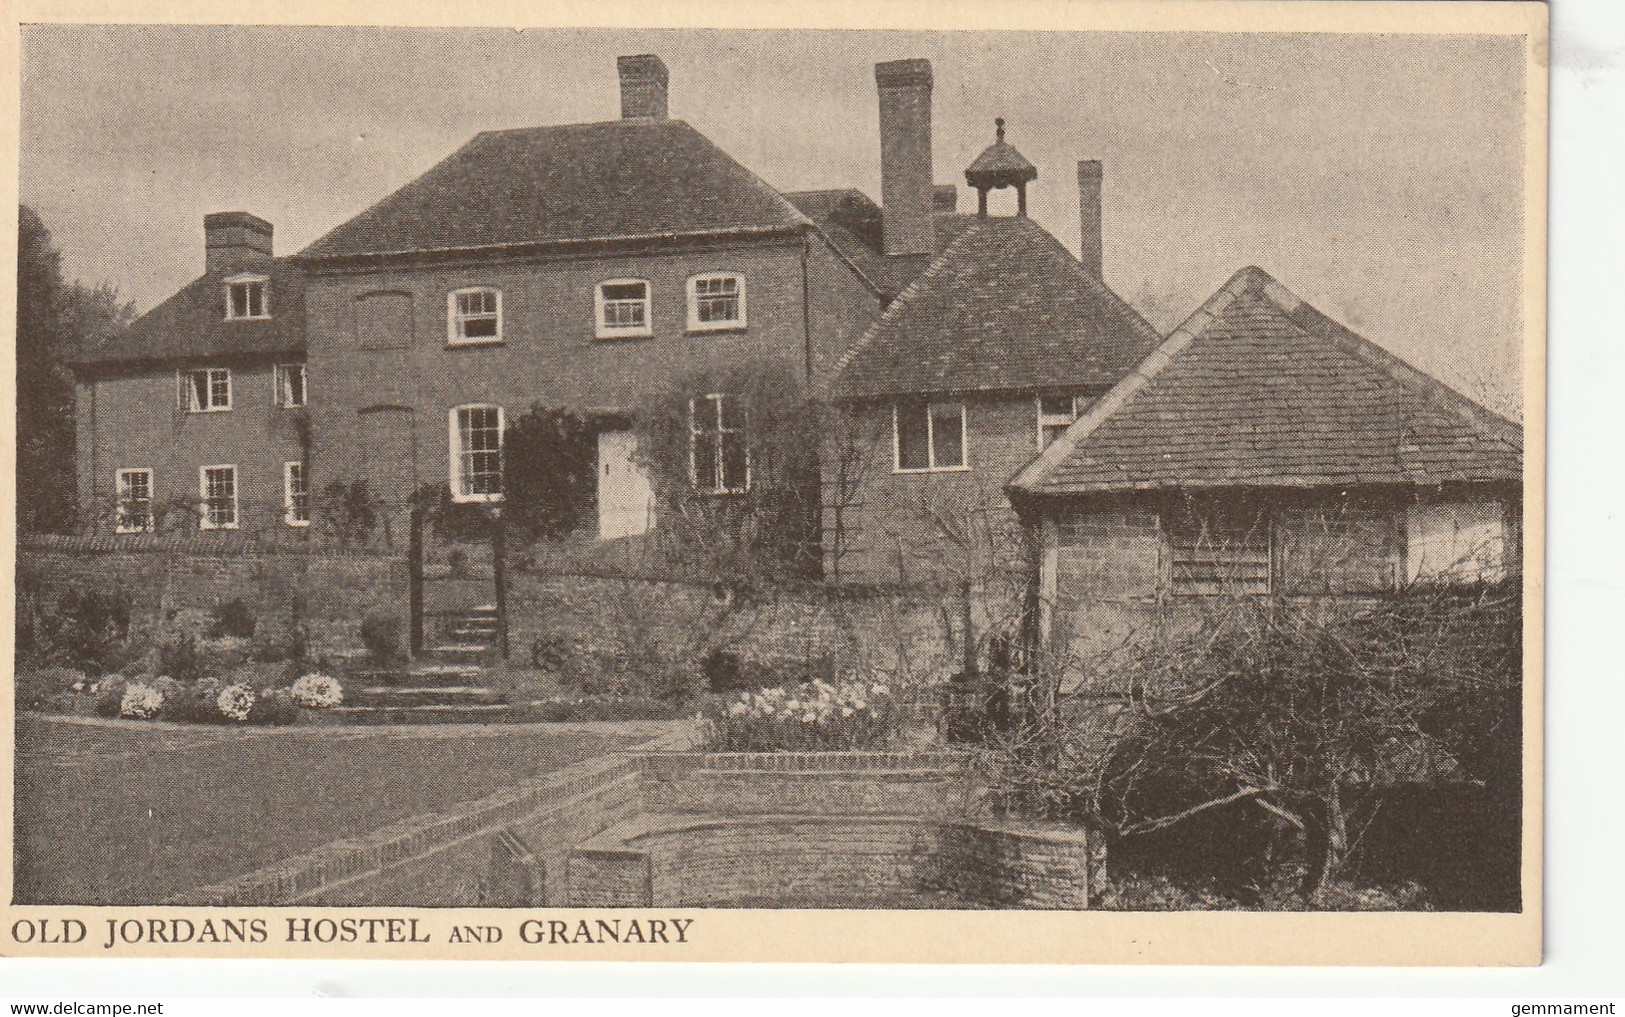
906	182
643	86
235	240
1089	247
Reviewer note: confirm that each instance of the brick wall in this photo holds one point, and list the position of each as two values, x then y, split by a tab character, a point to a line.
127	418
892	524
903	632
549	354
330	591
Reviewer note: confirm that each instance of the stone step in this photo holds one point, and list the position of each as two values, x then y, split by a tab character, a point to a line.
411	696
461	713
439	676
458	653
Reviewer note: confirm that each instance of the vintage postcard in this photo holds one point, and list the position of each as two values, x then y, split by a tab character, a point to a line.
1004	482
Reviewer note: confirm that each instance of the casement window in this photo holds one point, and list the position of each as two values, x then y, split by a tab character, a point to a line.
295	495
475	316
718	454
716	301
1219	548
217	485
476	453
248	296
1056	414
134	494
205	390
290	385
928	437
622	308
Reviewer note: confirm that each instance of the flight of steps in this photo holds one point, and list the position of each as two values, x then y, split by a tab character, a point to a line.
445	685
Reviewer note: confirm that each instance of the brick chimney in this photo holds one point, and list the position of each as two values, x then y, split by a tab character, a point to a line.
235	241
906	187
1089	174
643	87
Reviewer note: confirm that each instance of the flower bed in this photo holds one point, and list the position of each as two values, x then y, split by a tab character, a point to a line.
212	700
814	716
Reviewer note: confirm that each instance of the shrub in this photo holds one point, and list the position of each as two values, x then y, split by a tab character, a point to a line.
273	706
815	716
381	634
110	695
317	691
177	699
140	701
233	618
180	658
550	484
86	630
47	687
235	702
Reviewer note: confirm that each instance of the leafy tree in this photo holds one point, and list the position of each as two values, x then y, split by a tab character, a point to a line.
54	320
550	461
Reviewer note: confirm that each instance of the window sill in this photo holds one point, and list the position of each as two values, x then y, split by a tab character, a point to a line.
477	499
211	409
457	344
127	530
298	524
646	333
931	469
247	317
720	492
712	329
217	526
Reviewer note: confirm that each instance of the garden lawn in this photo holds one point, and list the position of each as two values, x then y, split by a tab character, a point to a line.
131	814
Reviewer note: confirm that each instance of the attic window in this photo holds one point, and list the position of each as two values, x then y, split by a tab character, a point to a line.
248	297
622	307
1056	414
476	316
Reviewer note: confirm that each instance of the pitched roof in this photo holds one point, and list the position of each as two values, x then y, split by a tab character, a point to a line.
1258	388
852	223
192	323
1003	307
621	179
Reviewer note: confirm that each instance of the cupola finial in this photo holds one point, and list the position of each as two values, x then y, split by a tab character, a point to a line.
1000	165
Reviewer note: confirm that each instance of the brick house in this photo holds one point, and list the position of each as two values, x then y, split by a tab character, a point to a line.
1263	448
193	419
997	345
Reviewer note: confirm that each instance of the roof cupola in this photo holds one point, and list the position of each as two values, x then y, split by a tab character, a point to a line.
1000	165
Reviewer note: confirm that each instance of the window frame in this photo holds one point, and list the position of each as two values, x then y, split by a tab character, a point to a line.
183	379
930	438
1079	403
279	386
455	319
247	279
119	500
601	327
717	399
289	499
691	288
455	446
205	517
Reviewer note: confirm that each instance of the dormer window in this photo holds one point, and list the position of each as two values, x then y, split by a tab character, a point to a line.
248	296
476	316
716	301
622	307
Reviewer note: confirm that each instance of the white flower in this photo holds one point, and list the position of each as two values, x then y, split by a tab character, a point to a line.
235	702
846	711
737	710
860	704
317	691
78	686
879	690
140	701
808	718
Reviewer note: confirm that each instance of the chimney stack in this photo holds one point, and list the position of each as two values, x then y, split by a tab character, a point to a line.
945	199
643	87
1089	174
235	241
906	187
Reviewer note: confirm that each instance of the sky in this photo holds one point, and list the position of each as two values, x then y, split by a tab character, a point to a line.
1378	177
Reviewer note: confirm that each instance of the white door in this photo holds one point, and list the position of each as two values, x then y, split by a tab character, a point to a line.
626	499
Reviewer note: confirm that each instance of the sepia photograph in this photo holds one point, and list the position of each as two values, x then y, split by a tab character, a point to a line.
601	476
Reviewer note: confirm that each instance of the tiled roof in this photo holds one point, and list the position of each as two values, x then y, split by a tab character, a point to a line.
1258	388
1003	307
853	224
193	323
622	179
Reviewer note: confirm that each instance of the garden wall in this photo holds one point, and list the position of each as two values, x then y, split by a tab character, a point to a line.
329	591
